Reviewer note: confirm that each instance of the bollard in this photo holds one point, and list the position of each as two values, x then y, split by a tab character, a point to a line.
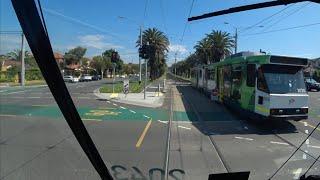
164	86
159	89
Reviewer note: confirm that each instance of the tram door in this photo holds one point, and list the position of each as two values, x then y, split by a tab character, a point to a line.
220	83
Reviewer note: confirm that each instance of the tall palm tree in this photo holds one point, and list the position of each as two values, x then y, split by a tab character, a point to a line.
222	44
159	44
203	50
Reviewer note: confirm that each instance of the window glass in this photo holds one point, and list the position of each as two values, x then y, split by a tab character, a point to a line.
251	77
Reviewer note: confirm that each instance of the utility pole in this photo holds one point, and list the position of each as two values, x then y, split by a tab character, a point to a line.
236	41
146	78
22	61
140	67
175	64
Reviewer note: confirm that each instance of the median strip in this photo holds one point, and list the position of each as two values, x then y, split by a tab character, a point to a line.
138	144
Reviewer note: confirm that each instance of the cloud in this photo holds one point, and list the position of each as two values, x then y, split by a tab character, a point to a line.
97	41
178	48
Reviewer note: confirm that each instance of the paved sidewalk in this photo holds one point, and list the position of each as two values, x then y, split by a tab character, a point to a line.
153	99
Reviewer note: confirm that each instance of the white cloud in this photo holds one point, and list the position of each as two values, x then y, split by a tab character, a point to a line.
178	48
97	41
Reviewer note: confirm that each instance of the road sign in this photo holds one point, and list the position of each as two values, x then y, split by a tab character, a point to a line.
126	86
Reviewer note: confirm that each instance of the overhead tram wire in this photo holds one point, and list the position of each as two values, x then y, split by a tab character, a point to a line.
284	29
287	15
185	26
264	19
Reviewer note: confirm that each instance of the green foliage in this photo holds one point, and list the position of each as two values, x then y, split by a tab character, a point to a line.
107	56
75	55
157	49
134	87
33	74
316	75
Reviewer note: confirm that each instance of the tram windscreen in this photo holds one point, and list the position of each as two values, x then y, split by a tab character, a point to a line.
282	79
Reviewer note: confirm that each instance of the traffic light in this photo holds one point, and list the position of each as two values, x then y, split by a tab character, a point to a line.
143	52
114	56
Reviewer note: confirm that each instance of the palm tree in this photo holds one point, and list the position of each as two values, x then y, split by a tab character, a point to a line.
222	44
16	54
203	50
158	43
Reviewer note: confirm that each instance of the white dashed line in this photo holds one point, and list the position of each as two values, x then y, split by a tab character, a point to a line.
246	127
146	116
184	127
164	122
132	111
16	92
108	102
297	173
307	142
305	124
282	143
306	131
304	156
243	138
314	146
122	107
115	104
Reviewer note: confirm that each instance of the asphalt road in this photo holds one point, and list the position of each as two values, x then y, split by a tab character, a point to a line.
36	142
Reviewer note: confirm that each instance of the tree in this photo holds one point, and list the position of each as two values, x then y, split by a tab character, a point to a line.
204	50
100	64
75	55
222	44
158	44
113	56
16	54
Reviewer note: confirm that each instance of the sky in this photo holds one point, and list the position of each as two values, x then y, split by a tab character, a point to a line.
100	25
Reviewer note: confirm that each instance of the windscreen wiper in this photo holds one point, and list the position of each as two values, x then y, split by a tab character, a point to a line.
38	39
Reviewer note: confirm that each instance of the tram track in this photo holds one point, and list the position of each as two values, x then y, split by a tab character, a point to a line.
214	145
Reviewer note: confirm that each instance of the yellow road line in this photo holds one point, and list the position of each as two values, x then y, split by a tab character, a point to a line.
143	134
310	125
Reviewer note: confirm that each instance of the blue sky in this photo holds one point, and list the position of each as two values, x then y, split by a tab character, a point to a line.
97	26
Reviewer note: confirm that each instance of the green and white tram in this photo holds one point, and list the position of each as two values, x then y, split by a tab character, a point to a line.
257	84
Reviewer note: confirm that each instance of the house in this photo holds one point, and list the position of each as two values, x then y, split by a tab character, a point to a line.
9	63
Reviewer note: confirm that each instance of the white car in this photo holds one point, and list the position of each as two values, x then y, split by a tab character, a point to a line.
76	79
68	78
86	78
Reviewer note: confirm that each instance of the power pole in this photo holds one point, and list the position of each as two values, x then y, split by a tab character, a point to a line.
22	61
146	78
236	41
175	64
140	67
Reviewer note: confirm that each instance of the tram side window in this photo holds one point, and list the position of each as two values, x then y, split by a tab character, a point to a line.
251	75
236	75
211	74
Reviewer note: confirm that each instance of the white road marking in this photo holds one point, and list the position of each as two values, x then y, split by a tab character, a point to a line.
246	127
15	92
108	102
85	119
313	146
184	127
164	122
305	123
146	116
297	173
115	104
8	115
248	139
282	143
132	111
306	131
307	142
304	156
122	107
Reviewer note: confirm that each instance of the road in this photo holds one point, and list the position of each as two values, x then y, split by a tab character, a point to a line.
36	142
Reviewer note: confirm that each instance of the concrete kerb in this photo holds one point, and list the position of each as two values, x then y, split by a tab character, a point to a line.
136	99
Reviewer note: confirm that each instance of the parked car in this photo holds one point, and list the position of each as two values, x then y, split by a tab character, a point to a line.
95	78
76	79
312	84
85	78
68	78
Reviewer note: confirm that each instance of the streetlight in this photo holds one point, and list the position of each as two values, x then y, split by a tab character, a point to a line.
236	34
140	29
